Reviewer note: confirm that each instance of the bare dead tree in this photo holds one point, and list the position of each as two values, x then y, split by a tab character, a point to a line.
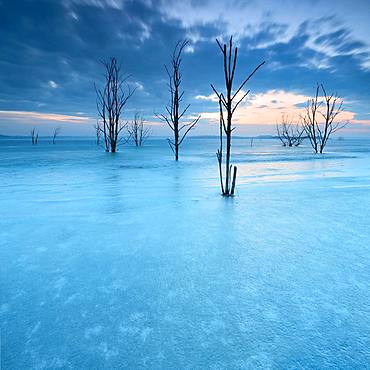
289	133
56	133
137	130
319	122
111	102
98	132
228	102
34	136
174	112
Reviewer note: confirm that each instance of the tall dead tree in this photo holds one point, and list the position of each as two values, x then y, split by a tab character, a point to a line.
111	102
289	133
320	120
34	136
137	130
228	102
56	133
174	111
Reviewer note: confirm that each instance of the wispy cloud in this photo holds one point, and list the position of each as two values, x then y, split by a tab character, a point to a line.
138	85
31	117
211	97
115	4
52	84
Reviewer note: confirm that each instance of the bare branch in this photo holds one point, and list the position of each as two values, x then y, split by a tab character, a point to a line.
190	127
247	79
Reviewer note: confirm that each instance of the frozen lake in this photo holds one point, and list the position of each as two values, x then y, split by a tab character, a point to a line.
133	261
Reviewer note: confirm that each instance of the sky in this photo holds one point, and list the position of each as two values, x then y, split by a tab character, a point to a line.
51	53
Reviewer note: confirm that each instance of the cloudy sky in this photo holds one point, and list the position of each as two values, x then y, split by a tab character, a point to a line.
50	54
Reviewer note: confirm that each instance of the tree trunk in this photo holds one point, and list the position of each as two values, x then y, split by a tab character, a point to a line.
228	152
234	181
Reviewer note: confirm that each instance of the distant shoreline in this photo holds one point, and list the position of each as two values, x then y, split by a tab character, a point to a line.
197	137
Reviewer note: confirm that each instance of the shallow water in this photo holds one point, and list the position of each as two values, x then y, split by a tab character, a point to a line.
135	261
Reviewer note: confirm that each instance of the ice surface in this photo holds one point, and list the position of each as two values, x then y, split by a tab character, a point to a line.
135	261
